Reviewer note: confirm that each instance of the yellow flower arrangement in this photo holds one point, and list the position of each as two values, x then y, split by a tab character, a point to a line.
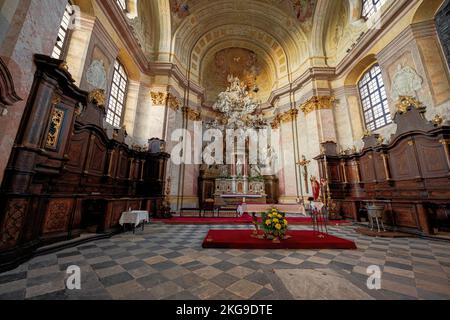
274	224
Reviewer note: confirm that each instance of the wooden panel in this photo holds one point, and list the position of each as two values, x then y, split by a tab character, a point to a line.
77	151
57	216
122	172
380	170
427	150
347	210
405	215
334	172
13	221
97	157
403	162
367	169
352	172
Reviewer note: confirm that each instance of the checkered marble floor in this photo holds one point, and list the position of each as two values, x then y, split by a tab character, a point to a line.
168	262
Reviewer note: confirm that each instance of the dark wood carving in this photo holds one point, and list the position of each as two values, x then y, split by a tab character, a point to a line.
410	176
65	175
8	95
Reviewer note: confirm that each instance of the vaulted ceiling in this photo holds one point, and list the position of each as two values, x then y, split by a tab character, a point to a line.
282	34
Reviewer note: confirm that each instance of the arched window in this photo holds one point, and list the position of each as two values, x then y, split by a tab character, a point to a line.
374	99
59	51
122	4
117	96
370	7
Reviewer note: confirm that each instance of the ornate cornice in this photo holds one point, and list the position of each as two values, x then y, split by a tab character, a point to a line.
318	103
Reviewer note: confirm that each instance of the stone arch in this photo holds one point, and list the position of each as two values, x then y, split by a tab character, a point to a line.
358	71
192	29
427	10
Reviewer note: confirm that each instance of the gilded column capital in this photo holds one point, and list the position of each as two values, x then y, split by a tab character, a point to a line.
158	98
191	114
173	102
318	103
287	116
163	98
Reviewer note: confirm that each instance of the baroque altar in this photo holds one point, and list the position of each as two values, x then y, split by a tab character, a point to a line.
241	178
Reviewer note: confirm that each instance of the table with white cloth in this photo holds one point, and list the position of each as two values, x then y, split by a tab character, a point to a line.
134	218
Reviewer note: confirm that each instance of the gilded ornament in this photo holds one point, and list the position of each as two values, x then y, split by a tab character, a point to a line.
406	102
98	98
56	122
159	98
63	66
318	103
438	120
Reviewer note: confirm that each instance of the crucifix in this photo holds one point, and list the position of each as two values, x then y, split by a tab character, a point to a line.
304	163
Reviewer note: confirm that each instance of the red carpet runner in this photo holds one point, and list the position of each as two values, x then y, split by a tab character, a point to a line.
241	239
245	219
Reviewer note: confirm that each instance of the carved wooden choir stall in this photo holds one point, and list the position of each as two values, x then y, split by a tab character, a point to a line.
409	176
68	175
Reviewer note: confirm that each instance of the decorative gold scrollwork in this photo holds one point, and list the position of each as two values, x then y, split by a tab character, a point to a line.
97	97
407	102
56	122
318	103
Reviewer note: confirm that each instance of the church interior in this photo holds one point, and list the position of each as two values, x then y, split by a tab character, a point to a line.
225	149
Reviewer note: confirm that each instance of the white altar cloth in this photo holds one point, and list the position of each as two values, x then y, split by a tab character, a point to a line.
135	217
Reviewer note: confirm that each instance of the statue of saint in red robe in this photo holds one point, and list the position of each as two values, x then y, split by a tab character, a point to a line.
315	188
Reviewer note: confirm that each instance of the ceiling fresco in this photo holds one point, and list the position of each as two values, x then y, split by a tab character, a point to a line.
238	62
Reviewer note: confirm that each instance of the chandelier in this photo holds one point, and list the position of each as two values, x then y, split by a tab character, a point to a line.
238	106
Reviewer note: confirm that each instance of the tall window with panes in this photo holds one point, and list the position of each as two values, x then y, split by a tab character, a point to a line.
62	41
122	4
117	97
370	7
374	99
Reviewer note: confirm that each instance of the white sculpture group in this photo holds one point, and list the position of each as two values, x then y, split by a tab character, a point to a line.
236	104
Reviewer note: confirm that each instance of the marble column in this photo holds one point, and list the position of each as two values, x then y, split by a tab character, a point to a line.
80	39
131	106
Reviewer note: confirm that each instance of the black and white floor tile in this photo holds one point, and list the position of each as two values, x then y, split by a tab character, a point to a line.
168	262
